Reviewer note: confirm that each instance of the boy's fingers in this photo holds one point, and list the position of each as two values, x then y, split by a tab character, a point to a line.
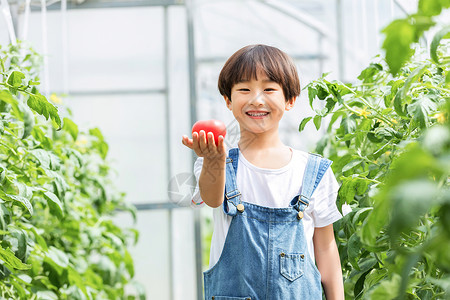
186	141
195	142
221	145
211	143
202	141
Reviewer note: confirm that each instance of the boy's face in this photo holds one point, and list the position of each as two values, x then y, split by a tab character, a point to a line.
258	104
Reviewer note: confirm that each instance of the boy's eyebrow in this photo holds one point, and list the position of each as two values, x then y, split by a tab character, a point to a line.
246	80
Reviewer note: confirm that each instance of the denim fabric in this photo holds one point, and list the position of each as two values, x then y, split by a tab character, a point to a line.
265	255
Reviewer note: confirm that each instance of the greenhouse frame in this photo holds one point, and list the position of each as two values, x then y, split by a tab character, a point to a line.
143	71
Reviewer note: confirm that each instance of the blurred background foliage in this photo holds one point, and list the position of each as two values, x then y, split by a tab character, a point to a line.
389	137
57	200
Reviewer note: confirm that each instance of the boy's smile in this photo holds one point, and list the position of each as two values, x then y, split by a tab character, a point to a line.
258	104
257	114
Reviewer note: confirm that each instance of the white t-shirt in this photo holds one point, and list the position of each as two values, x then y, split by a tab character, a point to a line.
274	188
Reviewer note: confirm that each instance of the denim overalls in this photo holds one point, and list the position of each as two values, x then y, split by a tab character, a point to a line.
265	255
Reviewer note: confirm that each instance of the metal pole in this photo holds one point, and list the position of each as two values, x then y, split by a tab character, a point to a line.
9	21
376	23
364	29
26	18
193	116
168	146
340	39
65	61
321	57
45	47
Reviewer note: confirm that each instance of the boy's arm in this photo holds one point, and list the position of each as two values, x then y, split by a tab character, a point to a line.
328	262
212	178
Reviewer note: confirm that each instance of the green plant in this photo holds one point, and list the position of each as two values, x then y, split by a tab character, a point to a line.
389	136
57	199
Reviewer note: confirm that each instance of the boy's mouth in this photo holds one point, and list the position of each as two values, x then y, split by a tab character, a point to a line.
257	114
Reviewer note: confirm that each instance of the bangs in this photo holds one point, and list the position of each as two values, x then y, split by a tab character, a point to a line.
255	61
246	63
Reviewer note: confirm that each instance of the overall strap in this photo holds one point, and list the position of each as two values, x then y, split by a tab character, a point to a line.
232	202
314	171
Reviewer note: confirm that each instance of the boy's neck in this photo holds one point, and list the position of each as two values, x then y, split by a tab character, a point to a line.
250	141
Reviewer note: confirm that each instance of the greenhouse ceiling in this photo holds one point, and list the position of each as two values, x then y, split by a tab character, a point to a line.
87	4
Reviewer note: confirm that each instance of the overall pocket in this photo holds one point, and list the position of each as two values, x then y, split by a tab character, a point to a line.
292	265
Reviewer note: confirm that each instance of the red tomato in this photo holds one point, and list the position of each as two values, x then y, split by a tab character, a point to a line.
214	126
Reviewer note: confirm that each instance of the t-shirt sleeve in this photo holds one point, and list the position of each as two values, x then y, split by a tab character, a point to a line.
325	211
196	199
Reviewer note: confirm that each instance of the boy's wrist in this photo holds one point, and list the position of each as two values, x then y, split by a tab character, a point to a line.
214	161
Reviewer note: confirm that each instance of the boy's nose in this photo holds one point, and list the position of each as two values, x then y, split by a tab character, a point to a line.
258	99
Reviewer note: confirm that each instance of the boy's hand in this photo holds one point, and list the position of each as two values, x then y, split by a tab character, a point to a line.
204	146
212	178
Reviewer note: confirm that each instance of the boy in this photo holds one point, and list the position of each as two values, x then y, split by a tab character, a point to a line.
277	214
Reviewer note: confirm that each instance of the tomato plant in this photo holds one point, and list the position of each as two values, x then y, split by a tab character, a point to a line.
57	199
214	126
389	136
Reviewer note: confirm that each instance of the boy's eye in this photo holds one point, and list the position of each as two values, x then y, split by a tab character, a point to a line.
244	90
269	89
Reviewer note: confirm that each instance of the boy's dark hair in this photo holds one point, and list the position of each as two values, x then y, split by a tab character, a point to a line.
244	64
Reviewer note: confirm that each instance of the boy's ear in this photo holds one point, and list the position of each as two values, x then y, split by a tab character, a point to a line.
290	103
228	101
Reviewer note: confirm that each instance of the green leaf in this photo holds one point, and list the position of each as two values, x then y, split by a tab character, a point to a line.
55	204
46	159
129	263
28	120
71	128
362	131
6	96
353	249
11	261
436	41
18	288
312	93
39	239
76	279
368	74
336	115
23	201
349	124
346	192
140	289
400	34
351	165
430	7
322	90
21	239
57	257
387	289
46	295
39	104
374	223
322	143
331	103
409	201
421	109
401	96
97	133
317	121
59	183
303	123
374	277
360	215
41	137
15	79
